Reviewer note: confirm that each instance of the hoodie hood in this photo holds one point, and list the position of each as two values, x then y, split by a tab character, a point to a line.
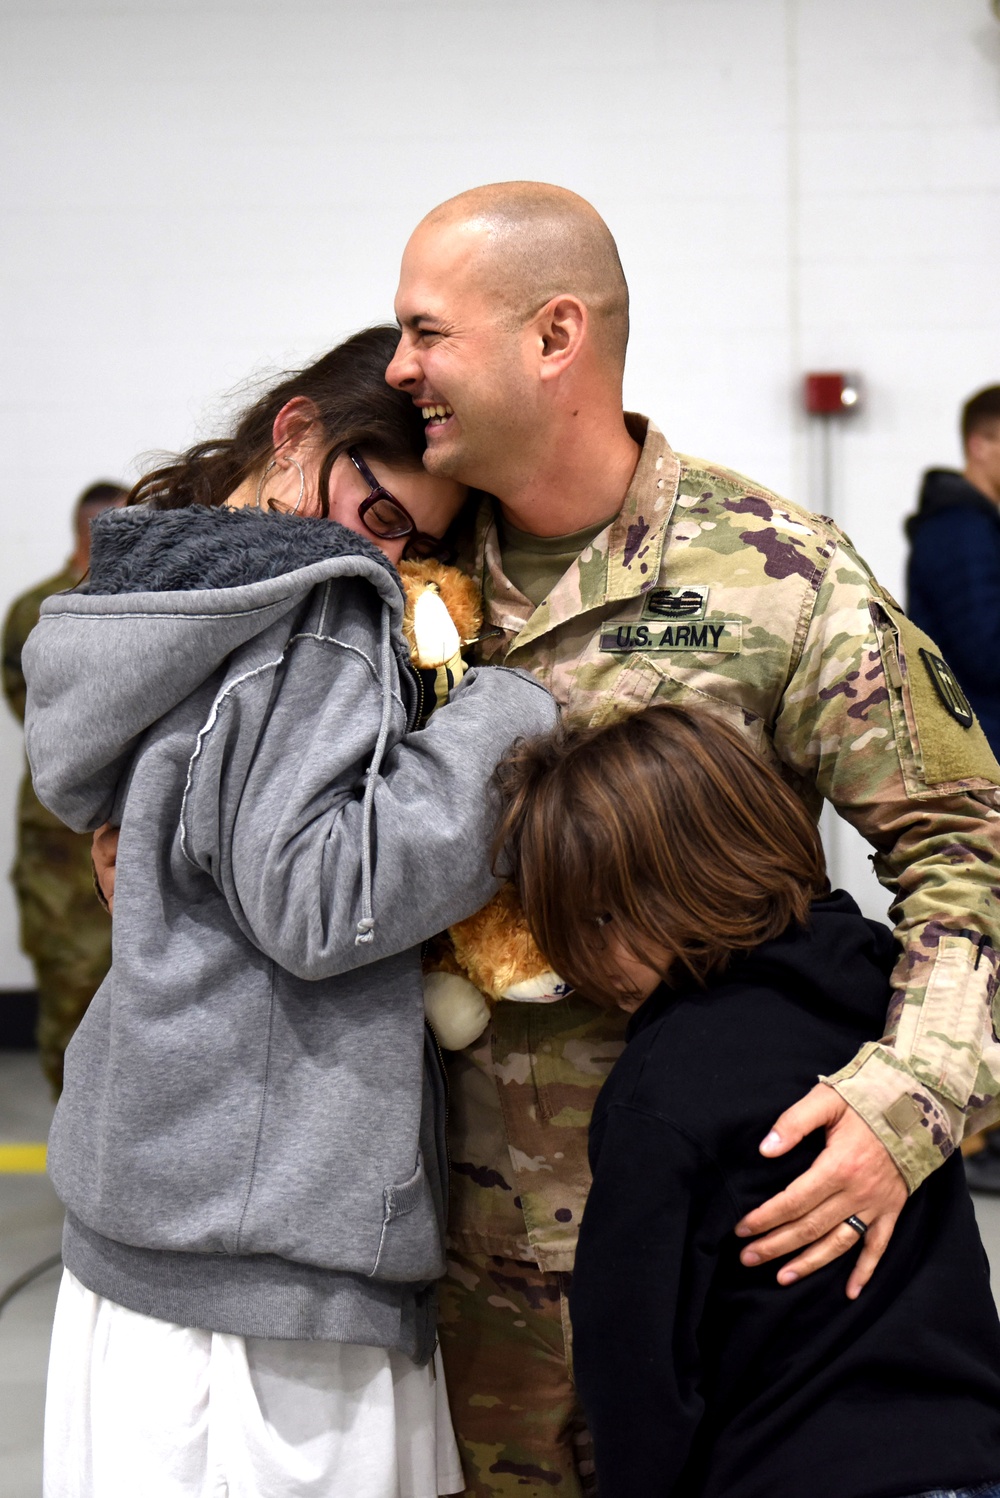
170	595
945	489
835	965
140	550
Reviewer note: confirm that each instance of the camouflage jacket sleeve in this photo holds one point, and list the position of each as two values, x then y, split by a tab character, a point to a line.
17	626
20	621
873	718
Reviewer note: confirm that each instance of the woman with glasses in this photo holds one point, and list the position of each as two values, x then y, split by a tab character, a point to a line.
306	446
250	1143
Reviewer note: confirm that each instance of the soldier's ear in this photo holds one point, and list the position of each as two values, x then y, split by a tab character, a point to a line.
561	330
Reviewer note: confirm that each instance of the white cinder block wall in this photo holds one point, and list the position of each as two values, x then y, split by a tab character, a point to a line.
198	191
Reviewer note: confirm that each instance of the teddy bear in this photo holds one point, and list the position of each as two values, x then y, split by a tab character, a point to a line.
491	955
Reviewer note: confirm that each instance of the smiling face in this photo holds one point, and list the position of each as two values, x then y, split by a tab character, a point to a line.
462	362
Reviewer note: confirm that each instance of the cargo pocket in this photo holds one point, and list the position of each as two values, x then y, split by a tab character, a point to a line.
635	686
645	681
749	725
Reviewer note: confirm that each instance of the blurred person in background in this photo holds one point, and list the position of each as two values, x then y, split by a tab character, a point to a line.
64	930
953	583
953	578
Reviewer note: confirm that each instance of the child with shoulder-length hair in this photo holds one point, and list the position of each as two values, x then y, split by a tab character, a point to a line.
665	868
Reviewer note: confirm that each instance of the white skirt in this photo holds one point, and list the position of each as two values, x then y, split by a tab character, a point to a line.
136	1405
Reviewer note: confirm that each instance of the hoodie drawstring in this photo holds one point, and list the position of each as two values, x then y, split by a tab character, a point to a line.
366	926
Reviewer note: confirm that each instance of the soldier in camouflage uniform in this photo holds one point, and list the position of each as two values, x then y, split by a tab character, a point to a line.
63	928
702	588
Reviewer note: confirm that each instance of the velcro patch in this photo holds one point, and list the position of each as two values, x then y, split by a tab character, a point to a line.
948	689
719	637
942	742
676	603
904	1114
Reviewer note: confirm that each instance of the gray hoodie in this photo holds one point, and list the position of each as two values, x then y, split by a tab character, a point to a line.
249	1135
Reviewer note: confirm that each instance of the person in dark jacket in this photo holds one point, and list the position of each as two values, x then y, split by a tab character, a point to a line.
953	585
665	868
953	577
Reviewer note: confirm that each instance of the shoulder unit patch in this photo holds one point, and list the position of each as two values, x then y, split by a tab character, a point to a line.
952	697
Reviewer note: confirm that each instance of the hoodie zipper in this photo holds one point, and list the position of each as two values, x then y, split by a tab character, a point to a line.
418	722
444	1071
418	717
447	1097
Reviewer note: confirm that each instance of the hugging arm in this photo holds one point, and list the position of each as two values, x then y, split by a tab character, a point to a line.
862	720
283	826
854	1176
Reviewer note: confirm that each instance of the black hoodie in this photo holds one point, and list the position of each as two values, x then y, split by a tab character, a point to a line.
702	1377
953	586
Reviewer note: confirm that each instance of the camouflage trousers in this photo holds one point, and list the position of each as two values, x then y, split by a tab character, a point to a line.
506	1342
64	931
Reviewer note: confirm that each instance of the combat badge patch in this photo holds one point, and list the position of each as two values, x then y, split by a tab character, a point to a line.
676	603
952	697
723	637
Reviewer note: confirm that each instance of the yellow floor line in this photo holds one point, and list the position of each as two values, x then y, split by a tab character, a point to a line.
22	1159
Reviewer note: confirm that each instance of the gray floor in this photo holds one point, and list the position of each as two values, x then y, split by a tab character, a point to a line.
30	1220
30	1224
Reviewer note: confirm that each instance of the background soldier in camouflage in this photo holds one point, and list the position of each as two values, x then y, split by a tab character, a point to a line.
620	574
63	928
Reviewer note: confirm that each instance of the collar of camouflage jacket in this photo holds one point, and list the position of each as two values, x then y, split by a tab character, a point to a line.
621	562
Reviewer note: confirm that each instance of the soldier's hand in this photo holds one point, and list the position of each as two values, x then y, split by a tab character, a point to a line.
854	1176
104	852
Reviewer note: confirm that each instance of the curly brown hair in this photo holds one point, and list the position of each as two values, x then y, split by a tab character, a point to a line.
354	406
664	830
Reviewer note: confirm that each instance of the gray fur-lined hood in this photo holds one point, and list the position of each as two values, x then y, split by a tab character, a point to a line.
139	550
170	595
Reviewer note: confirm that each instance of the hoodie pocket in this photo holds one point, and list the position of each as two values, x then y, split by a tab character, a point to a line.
403	1197
410	1245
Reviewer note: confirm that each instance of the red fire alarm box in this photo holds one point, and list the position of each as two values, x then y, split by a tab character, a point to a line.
828	394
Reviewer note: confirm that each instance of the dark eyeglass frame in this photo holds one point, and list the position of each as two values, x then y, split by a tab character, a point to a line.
416	540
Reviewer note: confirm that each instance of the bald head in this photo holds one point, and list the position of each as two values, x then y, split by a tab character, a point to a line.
532	242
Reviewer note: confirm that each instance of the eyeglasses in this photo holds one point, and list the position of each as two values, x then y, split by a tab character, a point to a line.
383	515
